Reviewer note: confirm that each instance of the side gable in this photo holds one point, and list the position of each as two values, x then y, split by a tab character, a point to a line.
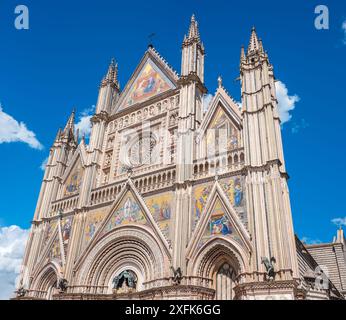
73	175
220	129
219	219
231	109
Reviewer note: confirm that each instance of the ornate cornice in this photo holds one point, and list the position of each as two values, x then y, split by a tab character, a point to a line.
242	288
192	77
100	117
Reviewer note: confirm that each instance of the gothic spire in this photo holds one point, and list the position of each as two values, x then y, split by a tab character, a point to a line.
58	135
70	122
193	33
254	44
112	74
193	52
68	134
193	30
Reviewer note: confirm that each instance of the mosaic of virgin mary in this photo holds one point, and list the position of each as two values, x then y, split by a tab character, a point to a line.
149	83
219	226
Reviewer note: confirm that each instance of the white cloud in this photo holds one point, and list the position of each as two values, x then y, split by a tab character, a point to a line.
297	126
12	246
310	241
44	164
339	221
286	103
84	124
343	27
13	131
206	101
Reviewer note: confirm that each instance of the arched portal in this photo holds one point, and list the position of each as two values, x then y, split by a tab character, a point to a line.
129	248
220	260
46	284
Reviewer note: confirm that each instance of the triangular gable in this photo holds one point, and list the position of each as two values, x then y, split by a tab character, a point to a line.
221	127
128	208
219	219
78	156
72	179
151	78
128	211
229	107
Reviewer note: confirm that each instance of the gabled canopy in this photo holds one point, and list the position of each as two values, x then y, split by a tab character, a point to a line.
221	98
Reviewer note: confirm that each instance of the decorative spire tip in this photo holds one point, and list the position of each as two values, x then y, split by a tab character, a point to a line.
219	81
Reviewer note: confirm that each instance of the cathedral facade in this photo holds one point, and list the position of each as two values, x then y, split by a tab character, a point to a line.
170	199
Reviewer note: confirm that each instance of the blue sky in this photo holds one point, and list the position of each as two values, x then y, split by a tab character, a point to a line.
58	63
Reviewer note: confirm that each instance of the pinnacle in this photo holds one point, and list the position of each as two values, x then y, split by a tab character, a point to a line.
112	73
70	121
193	30
254	43
242	53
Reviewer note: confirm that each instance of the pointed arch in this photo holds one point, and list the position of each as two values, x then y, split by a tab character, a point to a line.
126	247
46	280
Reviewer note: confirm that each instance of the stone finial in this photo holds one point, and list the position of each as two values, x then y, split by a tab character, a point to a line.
242	54
219	81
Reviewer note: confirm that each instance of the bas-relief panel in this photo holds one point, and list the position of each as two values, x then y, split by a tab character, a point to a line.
219	225
200	197
74	180
161	208
234	188
150	82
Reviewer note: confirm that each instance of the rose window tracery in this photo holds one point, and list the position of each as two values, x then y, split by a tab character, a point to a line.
141	151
